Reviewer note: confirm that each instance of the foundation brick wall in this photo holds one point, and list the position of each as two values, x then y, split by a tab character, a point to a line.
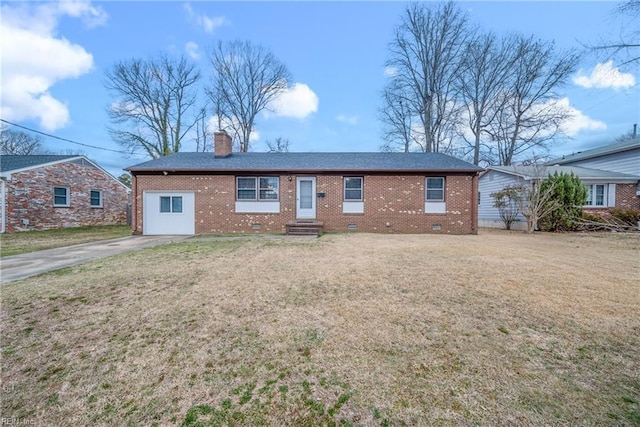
626	197
392	203
29	196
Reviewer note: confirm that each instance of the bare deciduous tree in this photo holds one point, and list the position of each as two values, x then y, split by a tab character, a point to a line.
627	47
397	120
507	201
535	196
18	143
279	145
425	55
247	78
154	103
631	134
534	201
487	63
529	114
202	137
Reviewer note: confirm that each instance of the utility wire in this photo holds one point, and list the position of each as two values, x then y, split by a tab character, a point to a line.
61	139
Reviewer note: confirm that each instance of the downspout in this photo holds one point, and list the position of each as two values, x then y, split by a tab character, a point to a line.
474	204
4	203
134	204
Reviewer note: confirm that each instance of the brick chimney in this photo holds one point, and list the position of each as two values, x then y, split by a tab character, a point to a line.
222	144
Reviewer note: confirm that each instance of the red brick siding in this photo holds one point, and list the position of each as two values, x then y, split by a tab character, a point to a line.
626	197
29	196
397	200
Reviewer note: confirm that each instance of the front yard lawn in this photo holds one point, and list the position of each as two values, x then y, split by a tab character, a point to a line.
351	329
30	241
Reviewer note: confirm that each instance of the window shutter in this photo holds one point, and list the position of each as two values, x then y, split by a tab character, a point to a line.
611	195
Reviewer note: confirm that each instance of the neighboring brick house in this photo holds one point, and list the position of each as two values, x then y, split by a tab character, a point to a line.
56	191
225	192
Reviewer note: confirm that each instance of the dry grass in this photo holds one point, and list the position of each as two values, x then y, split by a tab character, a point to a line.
496	329
30	241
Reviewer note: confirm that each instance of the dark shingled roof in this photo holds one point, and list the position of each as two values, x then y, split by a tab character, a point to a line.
616	147
529	172
12	163
307	162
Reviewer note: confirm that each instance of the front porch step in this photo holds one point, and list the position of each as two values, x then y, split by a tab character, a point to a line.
304	227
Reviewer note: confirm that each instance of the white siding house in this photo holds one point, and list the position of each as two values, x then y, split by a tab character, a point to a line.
622	157
492	181
602	187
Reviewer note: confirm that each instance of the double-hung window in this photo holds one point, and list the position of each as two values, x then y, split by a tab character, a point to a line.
353	189
596	194
352	194
170	204
251	188
434	202
61	196
96	198
435	189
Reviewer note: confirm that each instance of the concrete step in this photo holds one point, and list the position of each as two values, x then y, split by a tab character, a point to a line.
304	228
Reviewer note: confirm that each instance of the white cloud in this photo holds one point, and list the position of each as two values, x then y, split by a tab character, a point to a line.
605	76
207	23
92	16
390	71
350	120
43	18
34	58
577	121
297	102
192	50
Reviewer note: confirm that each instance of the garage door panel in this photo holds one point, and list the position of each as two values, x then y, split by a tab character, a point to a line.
168	212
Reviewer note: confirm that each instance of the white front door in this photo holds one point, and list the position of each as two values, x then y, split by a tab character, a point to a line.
306	197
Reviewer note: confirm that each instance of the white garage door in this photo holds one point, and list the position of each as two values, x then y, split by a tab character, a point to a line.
168	212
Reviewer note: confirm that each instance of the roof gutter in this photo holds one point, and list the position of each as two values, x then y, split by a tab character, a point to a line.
303	171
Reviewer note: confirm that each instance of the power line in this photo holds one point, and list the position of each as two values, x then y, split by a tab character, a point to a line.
62	139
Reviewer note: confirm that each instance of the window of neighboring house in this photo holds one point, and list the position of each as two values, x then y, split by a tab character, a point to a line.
353	189
60	196
435	189
596	194
170	204
96	198
263	188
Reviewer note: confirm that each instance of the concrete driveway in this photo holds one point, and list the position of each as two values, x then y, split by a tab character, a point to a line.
25	265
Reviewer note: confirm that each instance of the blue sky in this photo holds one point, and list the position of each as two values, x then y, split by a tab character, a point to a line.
54	56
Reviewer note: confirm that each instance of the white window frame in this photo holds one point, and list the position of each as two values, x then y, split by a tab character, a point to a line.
591	193
67	197
258	189
345	189
431	205
99	205
172	206
426	188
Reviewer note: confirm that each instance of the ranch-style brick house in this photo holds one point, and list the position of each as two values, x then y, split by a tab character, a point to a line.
40	192
228	192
